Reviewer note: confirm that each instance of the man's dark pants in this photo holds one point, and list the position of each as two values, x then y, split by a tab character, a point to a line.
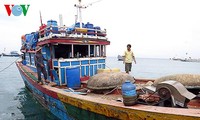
128	67
43	71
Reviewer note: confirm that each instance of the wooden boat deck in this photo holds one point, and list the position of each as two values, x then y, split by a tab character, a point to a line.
110	105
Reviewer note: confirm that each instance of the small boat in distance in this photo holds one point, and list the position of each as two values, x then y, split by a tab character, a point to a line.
186	58
120	58
11	54
189	59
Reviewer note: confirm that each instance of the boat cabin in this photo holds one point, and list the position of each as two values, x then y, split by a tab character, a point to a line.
70	51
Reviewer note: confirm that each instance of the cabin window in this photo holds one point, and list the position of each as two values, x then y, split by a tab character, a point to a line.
92	52
103	50
62	51
80	51
100	50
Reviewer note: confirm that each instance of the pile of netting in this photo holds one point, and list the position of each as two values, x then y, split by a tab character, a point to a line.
192	80
108	80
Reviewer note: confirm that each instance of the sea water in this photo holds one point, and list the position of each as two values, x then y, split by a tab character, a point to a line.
16	102
155	68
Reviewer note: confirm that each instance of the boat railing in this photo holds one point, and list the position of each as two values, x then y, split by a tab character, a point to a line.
87	66
64	32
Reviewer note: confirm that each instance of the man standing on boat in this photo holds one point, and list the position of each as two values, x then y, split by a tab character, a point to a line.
39	63
128	58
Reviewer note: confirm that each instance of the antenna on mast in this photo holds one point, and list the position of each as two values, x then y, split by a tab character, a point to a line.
61	19
90	4
41	19
79	7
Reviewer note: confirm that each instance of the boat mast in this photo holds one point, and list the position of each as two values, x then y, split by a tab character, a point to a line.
41	19
79	7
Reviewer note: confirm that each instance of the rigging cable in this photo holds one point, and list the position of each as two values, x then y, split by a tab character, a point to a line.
9	65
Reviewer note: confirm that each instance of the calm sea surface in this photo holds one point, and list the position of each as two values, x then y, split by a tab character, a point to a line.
16	103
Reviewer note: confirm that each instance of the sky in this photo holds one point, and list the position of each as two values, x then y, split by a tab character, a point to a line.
154	28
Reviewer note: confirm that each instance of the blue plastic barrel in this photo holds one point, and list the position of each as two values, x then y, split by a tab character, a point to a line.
129	93
90	27
54	25
78	25
97	28
73	77
70	29
52	22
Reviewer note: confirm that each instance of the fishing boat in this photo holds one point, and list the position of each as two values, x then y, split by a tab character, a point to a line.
190	60
11	54
120	58
75	56
187	59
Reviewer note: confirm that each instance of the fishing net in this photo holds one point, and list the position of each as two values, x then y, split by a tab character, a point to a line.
108	80
185	79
